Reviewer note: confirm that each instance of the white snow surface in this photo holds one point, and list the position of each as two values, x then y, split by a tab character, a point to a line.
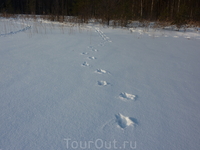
60	86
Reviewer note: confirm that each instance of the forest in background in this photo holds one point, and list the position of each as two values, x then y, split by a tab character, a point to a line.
175	11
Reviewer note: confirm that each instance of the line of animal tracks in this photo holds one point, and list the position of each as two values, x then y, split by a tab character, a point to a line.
119	119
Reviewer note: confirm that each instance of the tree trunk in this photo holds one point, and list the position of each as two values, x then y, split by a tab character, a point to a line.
178	5
152	2
141	12
132	9
172	9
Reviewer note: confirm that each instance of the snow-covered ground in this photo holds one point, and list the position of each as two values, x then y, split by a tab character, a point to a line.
93	87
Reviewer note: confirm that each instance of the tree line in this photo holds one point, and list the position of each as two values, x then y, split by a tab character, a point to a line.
106	10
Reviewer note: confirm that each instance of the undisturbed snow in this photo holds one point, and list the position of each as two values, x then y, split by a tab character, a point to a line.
94	87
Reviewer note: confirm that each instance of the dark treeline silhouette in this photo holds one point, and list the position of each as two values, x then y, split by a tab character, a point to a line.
106	10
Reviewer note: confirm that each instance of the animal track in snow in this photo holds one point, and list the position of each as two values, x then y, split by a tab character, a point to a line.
121	121
125	96
124	121
102	83
101	71
85	64
15	32
102	35
92	58
101	44
91	47
84	53
94	50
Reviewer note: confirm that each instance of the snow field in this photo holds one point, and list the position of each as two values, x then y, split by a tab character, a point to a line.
108	88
